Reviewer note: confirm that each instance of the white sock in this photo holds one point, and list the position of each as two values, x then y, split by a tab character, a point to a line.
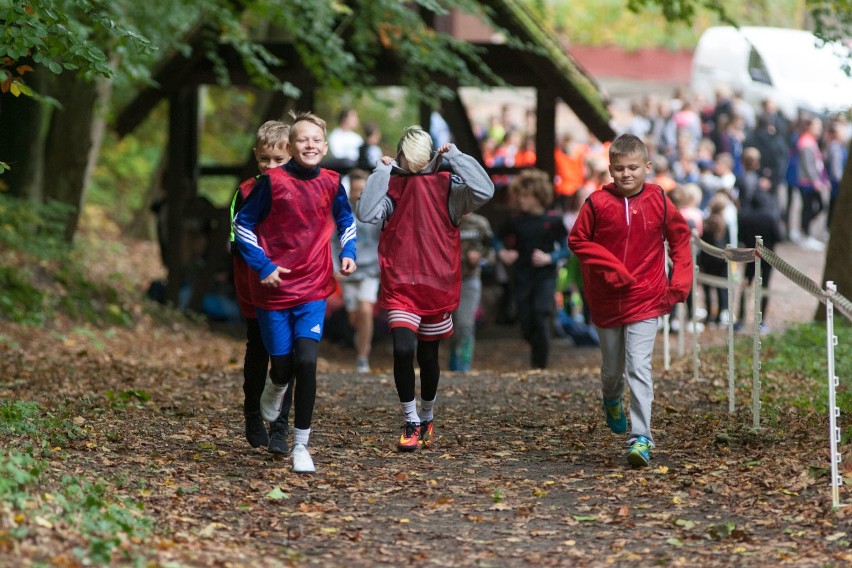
410	411
301	436
426	406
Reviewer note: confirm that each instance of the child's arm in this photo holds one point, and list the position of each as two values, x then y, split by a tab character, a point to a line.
580	240
254	209
375	206
680	252
342	212
470	186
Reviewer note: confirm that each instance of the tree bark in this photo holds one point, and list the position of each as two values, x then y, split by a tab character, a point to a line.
21	141
838	260
73	142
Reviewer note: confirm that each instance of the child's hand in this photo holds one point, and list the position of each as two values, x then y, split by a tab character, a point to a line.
274	279
387	160
444	148
347	266
541	258
507	256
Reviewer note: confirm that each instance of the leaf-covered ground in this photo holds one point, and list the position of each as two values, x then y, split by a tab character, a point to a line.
524	472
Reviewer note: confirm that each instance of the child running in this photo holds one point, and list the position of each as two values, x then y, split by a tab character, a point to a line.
620	239
421	207
283	231
534	242
270	151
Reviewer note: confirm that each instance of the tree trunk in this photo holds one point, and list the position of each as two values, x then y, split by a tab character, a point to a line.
73	142
21	141
838	260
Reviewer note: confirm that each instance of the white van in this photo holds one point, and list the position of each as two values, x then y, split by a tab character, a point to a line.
791	67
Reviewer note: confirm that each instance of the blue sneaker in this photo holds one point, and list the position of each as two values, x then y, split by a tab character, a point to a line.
615	418
639	454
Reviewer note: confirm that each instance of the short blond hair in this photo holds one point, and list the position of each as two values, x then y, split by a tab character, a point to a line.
301	116
272	134
626	145
416	145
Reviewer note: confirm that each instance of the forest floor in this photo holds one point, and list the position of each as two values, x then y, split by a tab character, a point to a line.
523	472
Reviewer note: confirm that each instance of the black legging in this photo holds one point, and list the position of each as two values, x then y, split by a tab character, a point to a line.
299	369
405	347
255	366
811	207
536	305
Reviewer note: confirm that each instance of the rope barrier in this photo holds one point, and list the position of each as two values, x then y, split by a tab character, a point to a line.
827	296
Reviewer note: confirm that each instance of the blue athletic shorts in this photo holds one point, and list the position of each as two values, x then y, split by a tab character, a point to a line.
280	328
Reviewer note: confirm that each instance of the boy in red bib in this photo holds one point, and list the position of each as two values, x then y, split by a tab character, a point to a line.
420	207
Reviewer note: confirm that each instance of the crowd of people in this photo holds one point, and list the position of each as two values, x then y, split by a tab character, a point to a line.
736	171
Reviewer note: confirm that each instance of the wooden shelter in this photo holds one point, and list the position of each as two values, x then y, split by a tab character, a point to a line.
549	69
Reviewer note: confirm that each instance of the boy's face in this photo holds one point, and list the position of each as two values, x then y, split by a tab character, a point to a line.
310	144
628	172
269	157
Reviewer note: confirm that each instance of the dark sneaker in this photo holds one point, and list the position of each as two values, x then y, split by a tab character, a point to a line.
278	439
615	418
256	433
639	454
409	440
427	433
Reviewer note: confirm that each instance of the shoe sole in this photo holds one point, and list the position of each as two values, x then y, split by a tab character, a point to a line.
278	450
637	460
407	448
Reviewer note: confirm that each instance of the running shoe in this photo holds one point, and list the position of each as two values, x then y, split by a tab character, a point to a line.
615	417
639	454
409	440
427	433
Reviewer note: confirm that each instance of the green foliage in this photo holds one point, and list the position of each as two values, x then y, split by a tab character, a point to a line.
39	275
33	228
672	24
20	301
801	349
100	519
794	369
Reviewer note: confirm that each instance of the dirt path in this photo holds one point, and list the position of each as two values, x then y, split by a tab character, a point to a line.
524	471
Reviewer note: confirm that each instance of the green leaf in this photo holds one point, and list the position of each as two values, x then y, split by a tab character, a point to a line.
276	494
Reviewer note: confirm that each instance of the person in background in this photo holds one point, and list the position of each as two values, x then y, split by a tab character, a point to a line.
836	153
420	207
812	180
344	142
361	289
759	217
370	151
620	238
534	241
476	236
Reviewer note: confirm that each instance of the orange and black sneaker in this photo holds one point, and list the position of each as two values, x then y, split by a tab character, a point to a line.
410	438
427	433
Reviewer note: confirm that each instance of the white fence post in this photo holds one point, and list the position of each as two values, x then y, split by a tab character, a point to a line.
731	404
833	411
757	292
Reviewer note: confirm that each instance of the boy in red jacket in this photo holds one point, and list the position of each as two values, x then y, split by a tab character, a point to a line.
620	239
420	207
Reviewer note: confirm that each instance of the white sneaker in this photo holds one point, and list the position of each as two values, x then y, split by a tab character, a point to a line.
302	461
362	366
272	400
811	243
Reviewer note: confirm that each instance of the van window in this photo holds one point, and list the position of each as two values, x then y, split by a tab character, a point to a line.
757	68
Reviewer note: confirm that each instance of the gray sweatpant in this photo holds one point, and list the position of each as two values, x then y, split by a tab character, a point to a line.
626	353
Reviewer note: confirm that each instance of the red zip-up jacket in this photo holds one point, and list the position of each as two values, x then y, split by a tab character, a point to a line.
620	242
